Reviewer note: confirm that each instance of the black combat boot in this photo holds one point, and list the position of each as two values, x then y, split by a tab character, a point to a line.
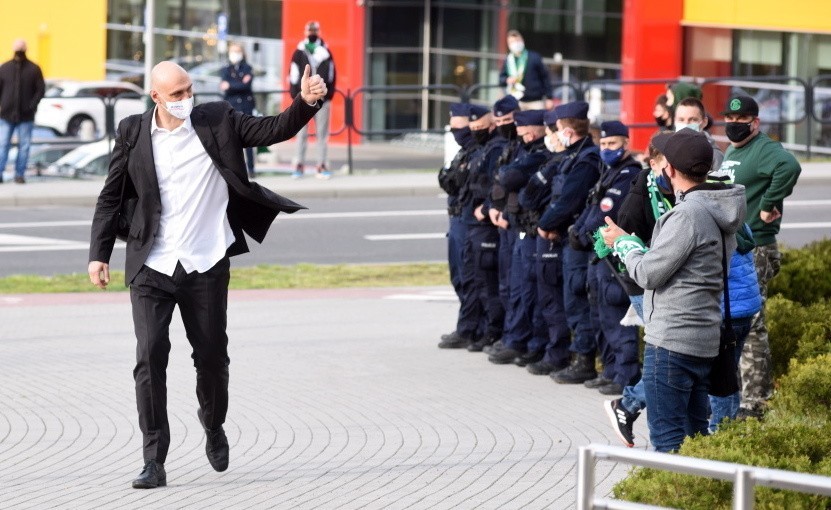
581	370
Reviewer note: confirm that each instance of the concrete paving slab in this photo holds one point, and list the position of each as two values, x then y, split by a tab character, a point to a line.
339	399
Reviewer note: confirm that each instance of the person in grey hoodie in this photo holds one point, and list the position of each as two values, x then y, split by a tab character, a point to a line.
682	276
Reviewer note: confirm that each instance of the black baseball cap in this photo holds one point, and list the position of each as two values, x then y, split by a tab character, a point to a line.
741	105
687	151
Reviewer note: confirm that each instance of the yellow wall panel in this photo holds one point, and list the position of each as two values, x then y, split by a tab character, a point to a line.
66	38
793	16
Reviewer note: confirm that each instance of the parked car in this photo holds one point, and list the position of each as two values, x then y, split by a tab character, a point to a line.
67	104
88	159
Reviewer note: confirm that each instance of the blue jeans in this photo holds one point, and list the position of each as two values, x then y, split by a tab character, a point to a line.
24	141
677	387
637	304
728	407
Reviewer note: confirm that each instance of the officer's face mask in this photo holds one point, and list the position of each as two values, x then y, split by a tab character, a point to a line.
738	131
235	57
550	144
481	135
462	135
507	130
612	156
565	140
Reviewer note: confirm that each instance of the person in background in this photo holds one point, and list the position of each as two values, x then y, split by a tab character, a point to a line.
689	113
524	75
21	89
314	52
237	77
769	174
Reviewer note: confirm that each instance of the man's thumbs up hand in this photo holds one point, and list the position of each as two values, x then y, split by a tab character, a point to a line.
312	88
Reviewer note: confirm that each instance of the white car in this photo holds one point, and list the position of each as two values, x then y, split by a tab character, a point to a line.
88	159
67	104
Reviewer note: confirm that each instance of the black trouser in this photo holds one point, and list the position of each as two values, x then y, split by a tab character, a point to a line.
203	303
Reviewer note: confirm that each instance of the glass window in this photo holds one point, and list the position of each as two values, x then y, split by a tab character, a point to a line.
758	53
396	26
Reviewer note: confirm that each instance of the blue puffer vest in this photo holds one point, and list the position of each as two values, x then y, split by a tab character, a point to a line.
745	298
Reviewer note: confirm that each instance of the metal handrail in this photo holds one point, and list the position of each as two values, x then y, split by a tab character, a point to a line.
745	478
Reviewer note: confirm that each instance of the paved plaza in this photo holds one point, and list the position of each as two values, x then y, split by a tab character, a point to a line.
339	400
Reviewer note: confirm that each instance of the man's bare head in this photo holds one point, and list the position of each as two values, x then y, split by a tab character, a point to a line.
169	82
19	45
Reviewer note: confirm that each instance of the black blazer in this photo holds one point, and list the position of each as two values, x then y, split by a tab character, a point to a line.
223	132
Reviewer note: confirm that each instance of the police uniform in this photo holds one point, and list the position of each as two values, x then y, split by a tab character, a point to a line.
510	151
451	179
525	333
548	268
578	173
618	345
480	253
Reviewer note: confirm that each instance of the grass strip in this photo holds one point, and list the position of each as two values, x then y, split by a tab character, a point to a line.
299	276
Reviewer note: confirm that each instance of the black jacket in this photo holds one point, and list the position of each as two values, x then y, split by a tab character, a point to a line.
21	89
223	132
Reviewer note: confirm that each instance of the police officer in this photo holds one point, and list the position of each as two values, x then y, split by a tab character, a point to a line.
503	113
618	345
578	173
451	179
534	200
525	333
481	313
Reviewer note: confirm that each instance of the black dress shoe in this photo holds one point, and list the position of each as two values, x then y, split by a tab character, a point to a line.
505	356
454	341
612	388
597	382
493	348
216	445
151	476
528	358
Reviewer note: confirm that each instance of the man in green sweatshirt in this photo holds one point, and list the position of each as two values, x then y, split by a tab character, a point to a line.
768	172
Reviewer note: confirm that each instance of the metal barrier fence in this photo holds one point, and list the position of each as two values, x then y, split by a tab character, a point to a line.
744	478
791	108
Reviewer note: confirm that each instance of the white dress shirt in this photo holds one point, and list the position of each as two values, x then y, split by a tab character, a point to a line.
193	228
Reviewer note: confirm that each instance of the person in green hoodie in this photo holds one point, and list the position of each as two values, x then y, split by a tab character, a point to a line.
769	173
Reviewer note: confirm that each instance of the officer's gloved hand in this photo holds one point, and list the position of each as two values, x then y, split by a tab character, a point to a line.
574	240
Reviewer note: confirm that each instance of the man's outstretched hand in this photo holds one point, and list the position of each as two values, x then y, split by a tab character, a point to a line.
312	88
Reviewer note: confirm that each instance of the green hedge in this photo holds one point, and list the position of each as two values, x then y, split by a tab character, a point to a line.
805	276
795	434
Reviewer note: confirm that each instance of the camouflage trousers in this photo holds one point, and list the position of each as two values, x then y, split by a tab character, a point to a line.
757	384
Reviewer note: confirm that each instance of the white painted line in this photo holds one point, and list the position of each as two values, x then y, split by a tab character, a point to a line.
10	243
806	203
298	216
364	214
16	240
819	224
35	224
404	237
63	247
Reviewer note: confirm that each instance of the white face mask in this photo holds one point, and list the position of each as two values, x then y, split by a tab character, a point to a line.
180	109
235	57
695	127
549	144
516	47
563	139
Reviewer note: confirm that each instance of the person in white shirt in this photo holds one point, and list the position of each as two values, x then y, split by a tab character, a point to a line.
195	203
